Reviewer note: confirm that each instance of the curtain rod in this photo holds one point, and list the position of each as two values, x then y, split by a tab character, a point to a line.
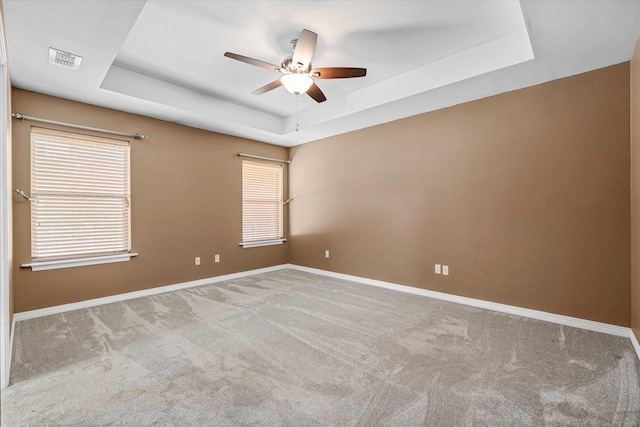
23	117
241	154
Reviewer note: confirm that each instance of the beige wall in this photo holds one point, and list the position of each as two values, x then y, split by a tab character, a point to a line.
524	195
186	202
635	192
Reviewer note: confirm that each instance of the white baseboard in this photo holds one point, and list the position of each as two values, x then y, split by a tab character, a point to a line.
32	314
503	308
13	334
634	342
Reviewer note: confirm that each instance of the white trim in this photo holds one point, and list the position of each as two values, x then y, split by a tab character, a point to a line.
263	243
6	249
32	314
3	45
10	357
77	262
503	308
634	342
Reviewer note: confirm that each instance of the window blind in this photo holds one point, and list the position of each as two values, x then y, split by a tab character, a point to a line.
80	186
261	201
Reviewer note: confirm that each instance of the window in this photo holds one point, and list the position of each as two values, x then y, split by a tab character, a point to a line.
80	190
261	204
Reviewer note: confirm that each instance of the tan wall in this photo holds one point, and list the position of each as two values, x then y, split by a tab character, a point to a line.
635	191
524	195
186	202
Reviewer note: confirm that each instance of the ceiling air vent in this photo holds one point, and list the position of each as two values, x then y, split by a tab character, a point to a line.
64	59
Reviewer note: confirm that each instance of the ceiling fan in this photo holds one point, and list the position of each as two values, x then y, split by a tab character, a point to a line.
298	75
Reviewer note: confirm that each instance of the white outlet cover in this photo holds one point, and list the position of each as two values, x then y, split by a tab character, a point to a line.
197	260
326	253
445	270
217	258
438	269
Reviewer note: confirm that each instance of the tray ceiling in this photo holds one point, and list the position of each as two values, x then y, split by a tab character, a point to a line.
164	59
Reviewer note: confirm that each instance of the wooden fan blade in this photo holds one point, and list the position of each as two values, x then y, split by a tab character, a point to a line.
338	72
267	88
252	61
305	47
315	92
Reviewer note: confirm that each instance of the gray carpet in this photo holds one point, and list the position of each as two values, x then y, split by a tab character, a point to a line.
295	349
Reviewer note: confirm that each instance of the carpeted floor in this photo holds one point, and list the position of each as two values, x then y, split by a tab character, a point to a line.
295	349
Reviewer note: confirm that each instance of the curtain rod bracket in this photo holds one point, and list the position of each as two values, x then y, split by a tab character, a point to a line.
20	192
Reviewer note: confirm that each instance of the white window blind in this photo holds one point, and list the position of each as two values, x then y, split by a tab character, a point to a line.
261	201
80	186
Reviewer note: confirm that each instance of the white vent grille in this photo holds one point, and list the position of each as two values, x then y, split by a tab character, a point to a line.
64	59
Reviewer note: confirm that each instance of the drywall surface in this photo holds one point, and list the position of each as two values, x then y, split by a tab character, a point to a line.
186	202
524	196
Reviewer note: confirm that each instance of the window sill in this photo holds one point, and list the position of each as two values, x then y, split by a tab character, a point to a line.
262	243
77	262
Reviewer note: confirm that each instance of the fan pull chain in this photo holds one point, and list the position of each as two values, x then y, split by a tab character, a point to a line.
297	124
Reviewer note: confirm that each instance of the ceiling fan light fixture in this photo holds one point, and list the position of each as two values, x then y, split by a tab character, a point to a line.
296	83
298	73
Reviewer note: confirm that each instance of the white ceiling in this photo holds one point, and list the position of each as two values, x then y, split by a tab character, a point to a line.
164	59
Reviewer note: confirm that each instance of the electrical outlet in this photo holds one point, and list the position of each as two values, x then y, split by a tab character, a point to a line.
326	253
197	260
216	258
445	270
438	269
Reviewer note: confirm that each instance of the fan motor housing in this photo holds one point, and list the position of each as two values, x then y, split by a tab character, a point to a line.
287	64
